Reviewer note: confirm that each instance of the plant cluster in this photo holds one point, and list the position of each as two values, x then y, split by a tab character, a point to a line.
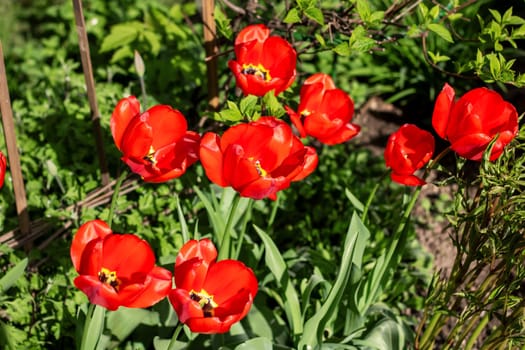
260	224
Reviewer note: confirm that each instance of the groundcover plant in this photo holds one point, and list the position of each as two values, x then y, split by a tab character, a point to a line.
220	175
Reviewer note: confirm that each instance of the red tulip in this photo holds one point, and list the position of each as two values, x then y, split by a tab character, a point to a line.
155	144
324	111
264	62
210	296
474	120
257	159
3	166
407	150
117	269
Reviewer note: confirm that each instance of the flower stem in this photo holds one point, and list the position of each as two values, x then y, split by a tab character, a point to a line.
371	197
93	326
245	220
114	198
224	249
173	342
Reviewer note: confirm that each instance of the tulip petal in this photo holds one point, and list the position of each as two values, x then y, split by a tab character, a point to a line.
226	278
409	180
126	109
211	157
3	166
137	139
168	125
97	292
91	230
442	109
156	287
131	257
471	146
186	308
191	274
203	249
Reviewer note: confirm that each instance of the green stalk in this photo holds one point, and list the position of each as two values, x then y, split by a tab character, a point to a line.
371	197
273	214
429	334
475	334
245	220
224	249
93	327
173	342
114	198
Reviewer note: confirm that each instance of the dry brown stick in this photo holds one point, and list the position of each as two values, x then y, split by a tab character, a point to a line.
210	45
12	150
90	86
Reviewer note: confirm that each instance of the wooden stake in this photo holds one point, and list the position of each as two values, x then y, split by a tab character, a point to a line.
90	86
12	150
210	45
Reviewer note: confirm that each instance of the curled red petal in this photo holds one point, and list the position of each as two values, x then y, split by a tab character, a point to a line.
3	166
156	287
257	32
168	125
442	110
186	308
409	180
97	292
126	109
227	278
129	256
89	231
203	249
211	157
471	146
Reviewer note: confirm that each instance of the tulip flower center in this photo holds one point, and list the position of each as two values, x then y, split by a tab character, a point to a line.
150	157
258	167
109	277
257	70
205	301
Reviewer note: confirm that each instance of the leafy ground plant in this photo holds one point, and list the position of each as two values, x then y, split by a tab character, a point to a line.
257	221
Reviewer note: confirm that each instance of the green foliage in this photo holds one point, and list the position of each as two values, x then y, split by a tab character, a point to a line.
399	52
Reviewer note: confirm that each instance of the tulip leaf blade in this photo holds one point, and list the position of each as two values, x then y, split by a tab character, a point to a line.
259	343
10	278
123	321
275	262
182	221
353	250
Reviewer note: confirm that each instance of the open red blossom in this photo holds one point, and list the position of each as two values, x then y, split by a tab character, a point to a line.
155	144
3	166
210	296
473	121
257	159
324	112
407	150
264	63
117	269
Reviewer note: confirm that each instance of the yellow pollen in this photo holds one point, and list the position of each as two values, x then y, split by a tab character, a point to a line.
260	170
305	113
258	167
205	301
109	277
258	70
150	156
